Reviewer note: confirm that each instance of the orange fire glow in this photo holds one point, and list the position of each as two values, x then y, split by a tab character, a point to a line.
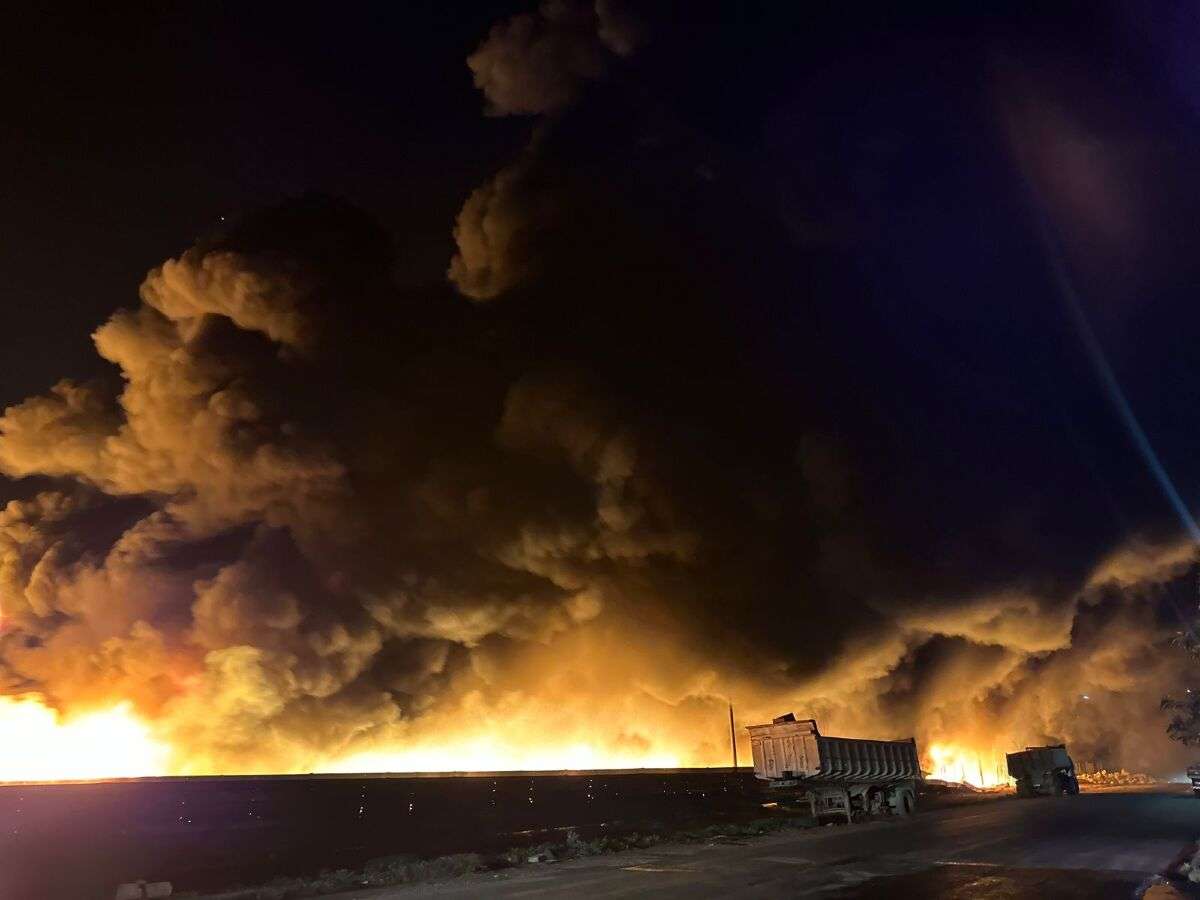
486	754
952	762
41	745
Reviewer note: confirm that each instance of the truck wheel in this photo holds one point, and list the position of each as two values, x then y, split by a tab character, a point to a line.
1023	788
1073	787
876	802
1060	785
905	804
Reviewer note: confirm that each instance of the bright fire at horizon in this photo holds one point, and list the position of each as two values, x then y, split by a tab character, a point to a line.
41	744
483	754
118	743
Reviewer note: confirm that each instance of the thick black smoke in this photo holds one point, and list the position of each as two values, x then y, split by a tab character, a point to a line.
324	522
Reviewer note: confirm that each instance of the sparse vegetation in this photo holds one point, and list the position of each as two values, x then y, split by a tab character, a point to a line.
384	872
397	870
574	847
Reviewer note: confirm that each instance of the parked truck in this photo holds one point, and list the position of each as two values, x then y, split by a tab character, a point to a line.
1193	772
836	776
1043	770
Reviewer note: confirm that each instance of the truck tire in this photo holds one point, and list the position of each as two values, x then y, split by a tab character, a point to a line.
1023	788
874	802
1073	787
1060	785
906	804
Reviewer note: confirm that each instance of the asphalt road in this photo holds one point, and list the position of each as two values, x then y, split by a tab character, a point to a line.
1101	844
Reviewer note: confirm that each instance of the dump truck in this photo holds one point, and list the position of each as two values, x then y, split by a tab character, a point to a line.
835	776
1043	770
1193	772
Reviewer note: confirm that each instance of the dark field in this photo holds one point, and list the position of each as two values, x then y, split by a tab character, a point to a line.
1101	844
78	841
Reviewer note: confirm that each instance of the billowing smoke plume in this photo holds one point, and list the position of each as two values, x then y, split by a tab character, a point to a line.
320	523
498	230
538	62
535	63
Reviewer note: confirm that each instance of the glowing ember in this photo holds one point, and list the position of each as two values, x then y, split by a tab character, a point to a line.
949	762
40	745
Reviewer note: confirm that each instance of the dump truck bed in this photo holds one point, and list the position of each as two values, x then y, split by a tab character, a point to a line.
796	750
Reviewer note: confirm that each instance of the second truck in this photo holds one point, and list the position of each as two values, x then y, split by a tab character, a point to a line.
1043	770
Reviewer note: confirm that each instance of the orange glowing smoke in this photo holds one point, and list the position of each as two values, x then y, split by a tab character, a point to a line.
952	762
486	754
39	744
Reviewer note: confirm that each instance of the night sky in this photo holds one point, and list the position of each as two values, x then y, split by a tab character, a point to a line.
807	255
870	149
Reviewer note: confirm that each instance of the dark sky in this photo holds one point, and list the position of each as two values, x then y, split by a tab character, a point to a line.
132	133
809	251
872	143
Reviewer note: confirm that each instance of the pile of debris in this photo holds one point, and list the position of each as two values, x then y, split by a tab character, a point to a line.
940	784
1120	777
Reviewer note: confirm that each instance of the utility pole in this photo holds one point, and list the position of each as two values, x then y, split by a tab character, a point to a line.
732	735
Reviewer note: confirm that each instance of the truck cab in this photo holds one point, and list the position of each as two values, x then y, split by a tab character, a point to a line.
1193	772
1043	770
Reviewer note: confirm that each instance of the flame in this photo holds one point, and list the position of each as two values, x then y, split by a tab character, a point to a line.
951	762
39	744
